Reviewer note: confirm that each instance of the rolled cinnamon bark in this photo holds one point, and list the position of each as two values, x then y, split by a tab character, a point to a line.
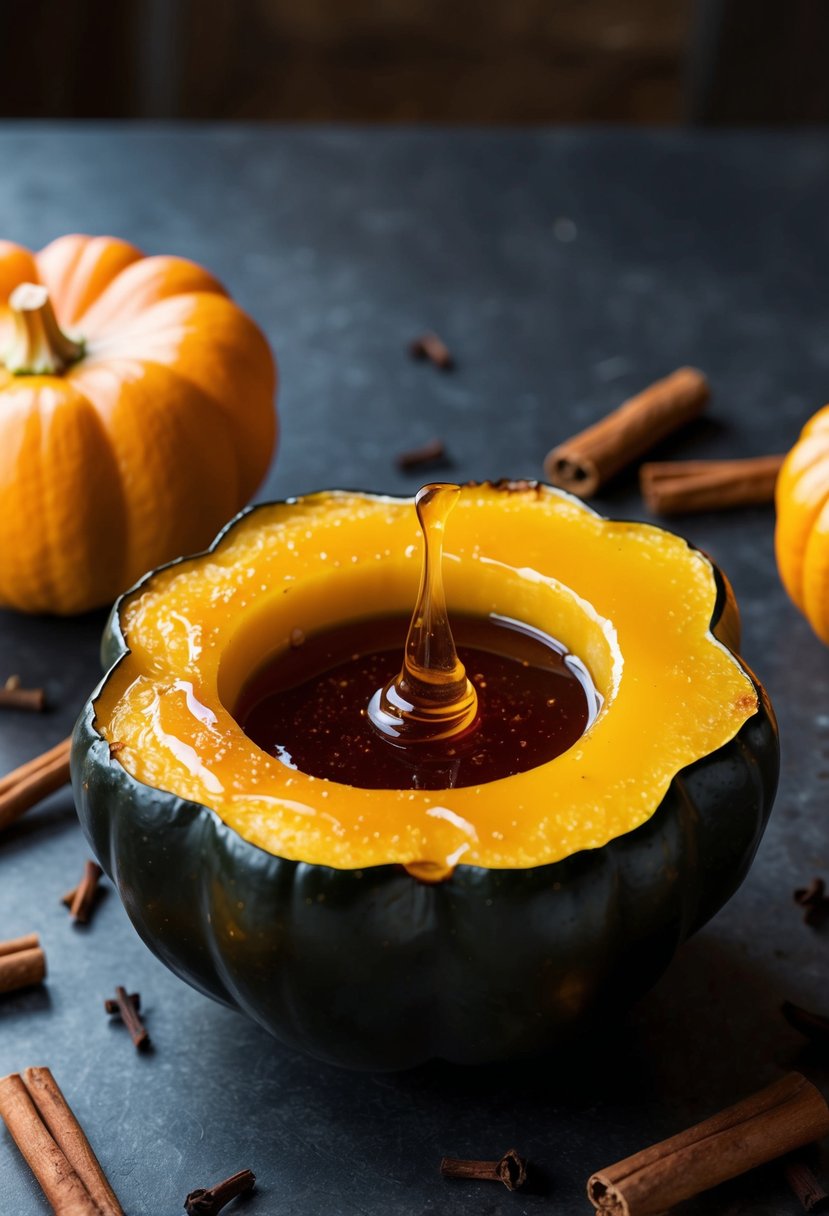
56	1113
585	462
786	1115
677	487
26	786
47	1161
22	963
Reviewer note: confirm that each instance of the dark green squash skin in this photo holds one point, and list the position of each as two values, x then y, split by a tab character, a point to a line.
373	969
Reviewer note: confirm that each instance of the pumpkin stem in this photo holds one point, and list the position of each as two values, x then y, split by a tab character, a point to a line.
39	346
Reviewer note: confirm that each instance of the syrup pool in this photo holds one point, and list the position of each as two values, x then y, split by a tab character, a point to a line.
308	706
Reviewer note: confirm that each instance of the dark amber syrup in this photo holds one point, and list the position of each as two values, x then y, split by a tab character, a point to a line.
308	707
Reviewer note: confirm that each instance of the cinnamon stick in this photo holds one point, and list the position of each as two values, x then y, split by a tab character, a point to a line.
31	782
677	487
60	1184
22	963
81	900
586	461
778	1119
32	699
59	1119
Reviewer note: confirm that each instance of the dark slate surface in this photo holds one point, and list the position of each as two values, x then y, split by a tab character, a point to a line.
566	271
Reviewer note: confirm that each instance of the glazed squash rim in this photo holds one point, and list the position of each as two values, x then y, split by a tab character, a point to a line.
722	600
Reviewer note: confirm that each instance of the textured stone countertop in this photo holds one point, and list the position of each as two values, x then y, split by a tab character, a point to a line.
565	270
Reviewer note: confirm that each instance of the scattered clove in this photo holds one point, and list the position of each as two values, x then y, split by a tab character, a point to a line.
430	346
511	1169
111	1005
127	1006
207	1201
431	453
814	901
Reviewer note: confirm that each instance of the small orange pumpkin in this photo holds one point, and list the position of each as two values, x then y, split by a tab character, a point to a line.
136	417
801	538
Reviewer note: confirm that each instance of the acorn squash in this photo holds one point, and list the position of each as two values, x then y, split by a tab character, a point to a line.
301	900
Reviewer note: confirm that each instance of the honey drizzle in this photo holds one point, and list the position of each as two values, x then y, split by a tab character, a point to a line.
431	700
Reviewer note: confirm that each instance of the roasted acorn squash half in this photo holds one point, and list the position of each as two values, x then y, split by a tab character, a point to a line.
571	884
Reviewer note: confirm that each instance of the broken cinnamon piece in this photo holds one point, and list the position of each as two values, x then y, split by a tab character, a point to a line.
677	487
805	1186
13	696
431	453
769	1124
27	785
511	1169
586	461
128	1010
812	1026
22	963
814	901
81	900
430	346
207	1201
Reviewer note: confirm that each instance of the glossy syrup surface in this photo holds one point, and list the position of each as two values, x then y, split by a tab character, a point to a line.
308	707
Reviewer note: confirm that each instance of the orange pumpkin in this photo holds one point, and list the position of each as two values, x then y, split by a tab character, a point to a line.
802	534
136	417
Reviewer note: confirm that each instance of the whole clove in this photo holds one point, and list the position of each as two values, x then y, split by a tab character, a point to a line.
511	1169
207	1201
814	902
430	346
127	1005
431	453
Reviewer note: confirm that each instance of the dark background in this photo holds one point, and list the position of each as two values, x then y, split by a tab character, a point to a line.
505	61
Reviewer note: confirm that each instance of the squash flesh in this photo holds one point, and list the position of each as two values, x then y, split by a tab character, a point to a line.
634	602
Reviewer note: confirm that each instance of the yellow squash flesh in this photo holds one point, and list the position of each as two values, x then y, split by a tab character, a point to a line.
632	601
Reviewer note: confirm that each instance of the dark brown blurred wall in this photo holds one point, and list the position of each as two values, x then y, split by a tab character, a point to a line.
358	60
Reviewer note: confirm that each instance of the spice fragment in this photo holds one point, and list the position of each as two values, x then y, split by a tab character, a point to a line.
81	900
430	346
805	1186
814	902
127	1006
511	1169
429	454
207	1201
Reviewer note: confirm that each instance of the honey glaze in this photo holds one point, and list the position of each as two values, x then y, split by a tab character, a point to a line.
506	699
309	708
